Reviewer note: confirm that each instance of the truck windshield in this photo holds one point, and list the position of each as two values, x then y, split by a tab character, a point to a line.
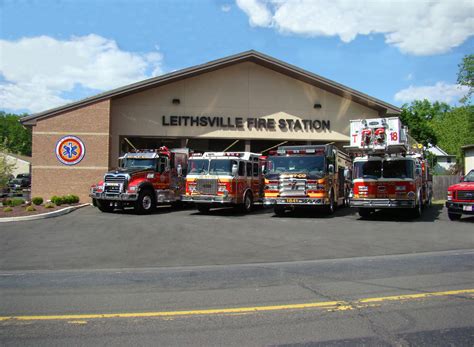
398	169
221	166
368	169
469	177
198	166
312	165
139	163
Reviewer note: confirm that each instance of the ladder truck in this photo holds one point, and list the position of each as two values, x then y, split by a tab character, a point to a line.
389	169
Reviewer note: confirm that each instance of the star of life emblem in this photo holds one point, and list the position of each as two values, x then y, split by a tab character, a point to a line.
70	150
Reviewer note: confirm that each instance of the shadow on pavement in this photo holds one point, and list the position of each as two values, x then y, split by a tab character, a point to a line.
429	214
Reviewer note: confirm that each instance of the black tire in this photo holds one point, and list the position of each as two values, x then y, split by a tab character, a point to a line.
331	208
454	216
105	205
203	208
279	210
418	210
146	202
177	204
365	212
247	205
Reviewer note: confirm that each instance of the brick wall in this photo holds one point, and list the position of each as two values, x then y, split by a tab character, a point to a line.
49	176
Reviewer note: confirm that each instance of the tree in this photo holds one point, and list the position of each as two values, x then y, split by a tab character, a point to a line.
6	168
466	76
455	129
417	117
13	136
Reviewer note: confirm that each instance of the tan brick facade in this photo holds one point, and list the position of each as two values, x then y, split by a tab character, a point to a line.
49	176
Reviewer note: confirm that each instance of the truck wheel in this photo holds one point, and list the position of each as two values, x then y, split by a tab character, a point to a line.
365	212
417	211
203	208
105	205
332	204
454	216
248	203
145	203
279	210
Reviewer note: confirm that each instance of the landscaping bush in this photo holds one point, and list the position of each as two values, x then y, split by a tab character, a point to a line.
37	200
68	199
30	209
75	199
57	200
49	205
15	202
7	209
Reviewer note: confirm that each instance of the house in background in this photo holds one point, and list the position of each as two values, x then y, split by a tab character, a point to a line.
22	163
445	162
468	158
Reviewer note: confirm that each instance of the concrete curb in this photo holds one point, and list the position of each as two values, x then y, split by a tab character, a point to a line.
52	214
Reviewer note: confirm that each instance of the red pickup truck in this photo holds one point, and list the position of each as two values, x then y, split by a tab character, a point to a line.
461	197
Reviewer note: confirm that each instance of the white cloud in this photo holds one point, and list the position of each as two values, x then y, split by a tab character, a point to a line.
441	91
416	27
259	14
38	70
226	8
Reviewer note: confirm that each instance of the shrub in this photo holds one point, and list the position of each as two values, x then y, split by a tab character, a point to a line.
37	200
15	202
49	205
6	201
75	199
7	209
57	200
30	209
68	199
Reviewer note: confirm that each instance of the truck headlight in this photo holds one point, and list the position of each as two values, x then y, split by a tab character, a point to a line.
450	195
271	187
132	188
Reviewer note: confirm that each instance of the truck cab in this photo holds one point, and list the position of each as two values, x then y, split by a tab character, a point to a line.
460	199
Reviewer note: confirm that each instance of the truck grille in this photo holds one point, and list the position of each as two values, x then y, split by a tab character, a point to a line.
465	194
115	178
293	187
207	186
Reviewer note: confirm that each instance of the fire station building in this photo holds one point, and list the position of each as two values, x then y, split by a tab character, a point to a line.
245	102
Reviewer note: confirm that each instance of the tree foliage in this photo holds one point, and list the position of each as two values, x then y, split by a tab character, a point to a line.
417	117
14	137
6	168
466	76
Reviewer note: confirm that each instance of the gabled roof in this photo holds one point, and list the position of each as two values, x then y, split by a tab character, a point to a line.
252	56
439	152
18	156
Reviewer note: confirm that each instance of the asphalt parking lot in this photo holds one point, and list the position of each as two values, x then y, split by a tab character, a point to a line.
89	239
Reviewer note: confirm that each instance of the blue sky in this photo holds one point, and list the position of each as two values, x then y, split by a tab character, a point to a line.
55	52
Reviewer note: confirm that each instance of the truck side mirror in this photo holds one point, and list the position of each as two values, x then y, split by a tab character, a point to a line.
180	170
331	169
235	169
264	169
347	174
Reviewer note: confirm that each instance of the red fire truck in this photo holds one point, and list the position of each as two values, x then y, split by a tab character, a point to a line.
389	171
460	198
224	179
314	176
143	179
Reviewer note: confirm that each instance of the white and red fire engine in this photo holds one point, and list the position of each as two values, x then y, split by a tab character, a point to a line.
217	179
389	171
145	178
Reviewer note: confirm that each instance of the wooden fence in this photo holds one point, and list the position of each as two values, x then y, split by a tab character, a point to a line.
441	184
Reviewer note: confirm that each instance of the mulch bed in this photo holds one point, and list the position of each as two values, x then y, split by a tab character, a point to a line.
19	211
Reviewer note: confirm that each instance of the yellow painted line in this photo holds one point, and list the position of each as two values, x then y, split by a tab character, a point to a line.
330	305
415	296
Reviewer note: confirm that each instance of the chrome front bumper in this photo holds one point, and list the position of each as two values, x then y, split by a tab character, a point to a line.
209	199
382	203
114	197
295	201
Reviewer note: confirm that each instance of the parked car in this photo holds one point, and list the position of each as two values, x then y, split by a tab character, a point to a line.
25	179
460	198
